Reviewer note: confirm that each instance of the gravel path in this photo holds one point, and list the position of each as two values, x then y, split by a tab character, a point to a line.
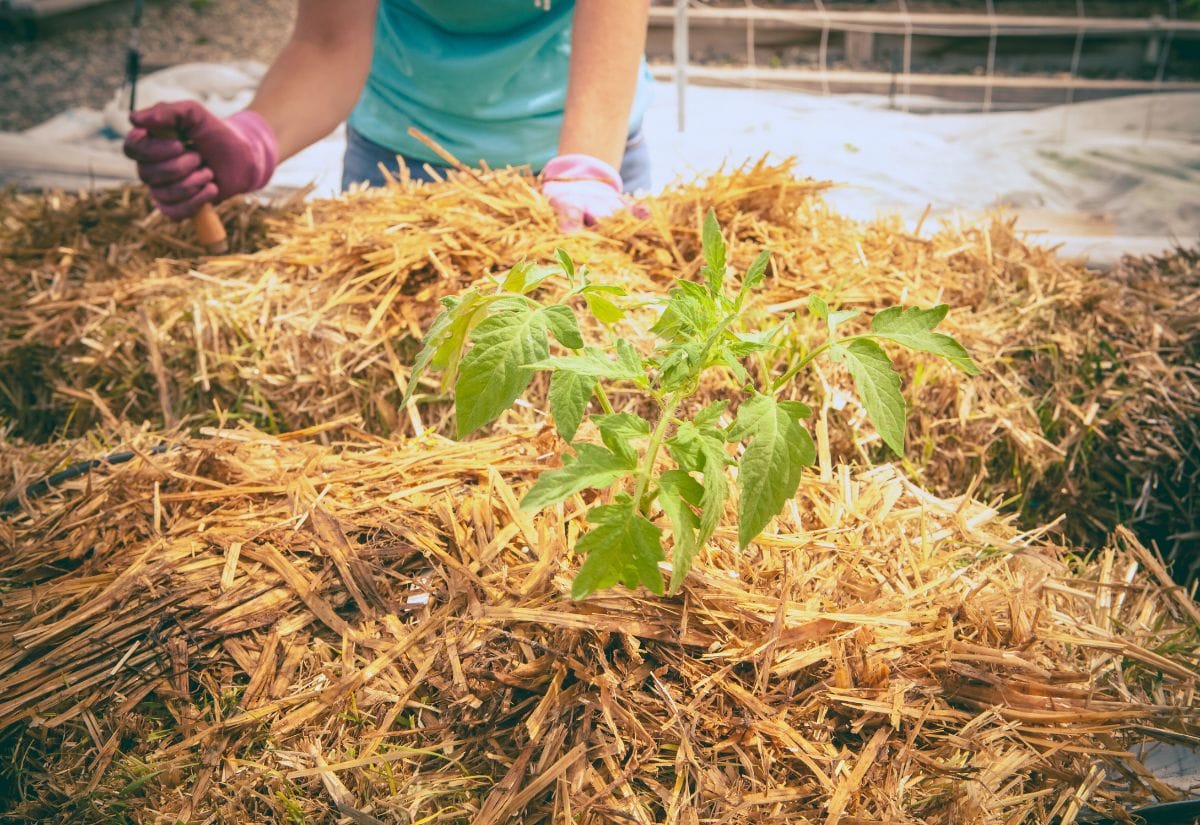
79	59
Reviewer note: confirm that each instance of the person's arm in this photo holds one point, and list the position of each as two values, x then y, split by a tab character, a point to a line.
583	183
189	157
317	77
608	39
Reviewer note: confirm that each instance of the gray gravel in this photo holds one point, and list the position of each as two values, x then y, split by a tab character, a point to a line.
79	59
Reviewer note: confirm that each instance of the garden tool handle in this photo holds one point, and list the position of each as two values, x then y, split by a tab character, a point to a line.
209	229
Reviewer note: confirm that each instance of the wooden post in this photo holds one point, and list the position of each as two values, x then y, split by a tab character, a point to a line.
860	49
1153	47
681	60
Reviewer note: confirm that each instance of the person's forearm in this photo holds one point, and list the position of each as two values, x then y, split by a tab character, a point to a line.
607	42
318	76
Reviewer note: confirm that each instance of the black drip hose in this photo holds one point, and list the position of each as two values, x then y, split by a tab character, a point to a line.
49	483
133	54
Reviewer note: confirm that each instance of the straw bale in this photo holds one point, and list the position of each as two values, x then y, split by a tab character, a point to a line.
1130	430
321	319
56	248
251	627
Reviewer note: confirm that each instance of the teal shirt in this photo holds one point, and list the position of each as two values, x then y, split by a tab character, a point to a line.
486	80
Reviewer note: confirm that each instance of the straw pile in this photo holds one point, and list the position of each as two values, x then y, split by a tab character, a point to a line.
59	251
1088	404
1134	456
252	628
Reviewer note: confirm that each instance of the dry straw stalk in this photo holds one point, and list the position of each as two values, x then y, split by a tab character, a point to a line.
245	626
355	620
1089	404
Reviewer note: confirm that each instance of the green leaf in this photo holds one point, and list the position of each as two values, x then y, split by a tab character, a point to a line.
619	429
796	409
592	362
684	447
430	344
878	386
494	372
569	396
716	485
748	343
770	469
622	548
714	253
691	312
839	317
677	493
605	310
697	308
526	277
568	266
702	450
507	303
913	327
449	353
561	321
754	275
514	281
818	307
447	336
710	415
593	467
630	361
681	364
731	362
611	289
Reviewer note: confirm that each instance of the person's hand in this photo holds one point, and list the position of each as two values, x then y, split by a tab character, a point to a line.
582	189
189	157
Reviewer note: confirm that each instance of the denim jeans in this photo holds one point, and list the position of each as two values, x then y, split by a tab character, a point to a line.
362	159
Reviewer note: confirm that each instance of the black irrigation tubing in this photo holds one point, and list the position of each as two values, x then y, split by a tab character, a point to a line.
40	488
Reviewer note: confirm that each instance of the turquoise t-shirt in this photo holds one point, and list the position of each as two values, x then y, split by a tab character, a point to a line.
486	80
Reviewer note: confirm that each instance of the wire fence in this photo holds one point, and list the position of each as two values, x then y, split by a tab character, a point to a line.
1160	31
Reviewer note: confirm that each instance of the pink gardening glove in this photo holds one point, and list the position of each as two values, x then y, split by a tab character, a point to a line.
582	189
189	157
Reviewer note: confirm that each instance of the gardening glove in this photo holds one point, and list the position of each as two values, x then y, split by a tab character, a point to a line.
189	157
582	189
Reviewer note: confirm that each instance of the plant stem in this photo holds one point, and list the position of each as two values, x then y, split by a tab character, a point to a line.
602	397
764	369
804	362
656	439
